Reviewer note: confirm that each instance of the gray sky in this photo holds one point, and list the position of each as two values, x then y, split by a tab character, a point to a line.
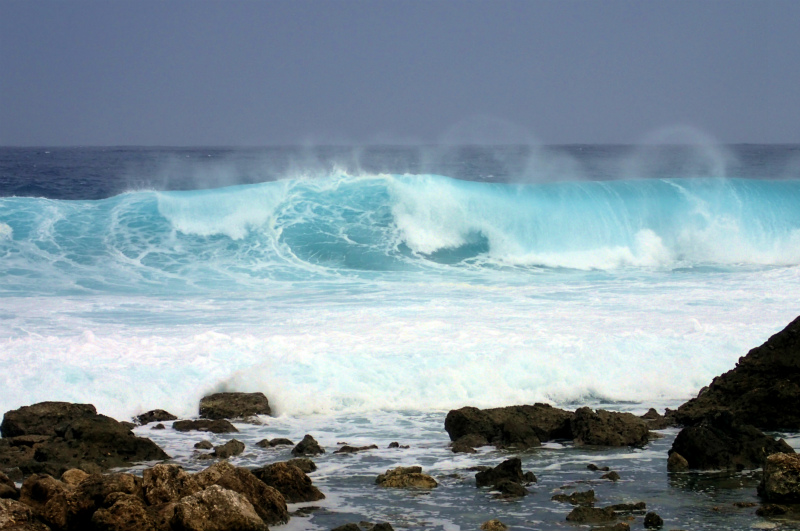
200	72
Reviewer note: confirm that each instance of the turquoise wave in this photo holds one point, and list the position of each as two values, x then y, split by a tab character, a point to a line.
372	226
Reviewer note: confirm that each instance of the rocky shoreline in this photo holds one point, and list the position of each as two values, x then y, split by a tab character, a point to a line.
55	457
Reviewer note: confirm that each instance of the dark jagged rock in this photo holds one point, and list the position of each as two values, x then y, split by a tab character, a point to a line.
510	489
762	390
591	515
267	443
772	509
607	428
219	509
16	516
7	488
781	479
460	447
510	469
290	481
234	405
494	525
229	449
346	449
406	477
653	521
576	498
44	418
126	513
721	443
521	426
628	507
612	476
656	421
303	463
213	426
347	527
595	468
156	415
308	447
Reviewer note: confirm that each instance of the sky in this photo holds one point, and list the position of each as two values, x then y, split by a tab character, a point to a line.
280	72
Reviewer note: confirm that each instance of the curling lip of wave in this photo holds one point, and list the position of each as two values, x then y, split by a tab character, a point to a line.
306	229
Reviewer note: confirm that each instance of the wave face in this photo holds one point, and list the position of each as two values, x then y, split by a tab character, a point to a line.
372	226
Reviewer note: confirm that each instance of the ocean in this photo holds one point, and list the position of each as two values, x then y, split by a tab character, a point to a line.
367	291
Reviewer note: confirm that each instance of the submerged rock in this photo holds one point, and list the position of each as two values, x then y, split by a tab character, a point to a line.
234	405
406	477
576	498
591	515
346	449
762	390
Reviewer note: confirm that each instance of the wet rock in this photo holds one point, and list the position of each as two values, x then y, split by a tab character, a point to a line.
460	447
510	469
656	421
781	479
43	418
213	426
510	489
303	463
576	498
8	489
595	468
628	507
126	513
763	389
607	428
772	509
347	527
267	443
16	516
346	449
591	515
268	502
721	443
204	445
677	463
167	483
619	526
307	447
613	476
290	481
406	477
216	509
494	525
520	426
653	521
155	415
234	405
229	449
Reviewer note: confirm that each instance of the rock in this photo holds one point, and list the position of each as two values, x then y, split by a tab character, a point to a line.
721	443
656	421
520	426
619	526
576	498
595	468
214	426
781	479
234	405
383	526
763	389
307	447
290	481
628	507
462	447
43	418
510	469
772	509
303	463
268	502
16	516
159	426
216	509
607	428
39	489
8	489
653	521
677	463
346	449
347	527
266	443
204	445
613	476
591	515
493	525
155	415
127	513
229	449
167	483
406	477
510	489
73	477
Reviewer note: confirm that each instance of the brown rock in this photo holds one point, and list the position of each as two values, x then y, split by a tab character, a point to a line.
127	513
494	525
591	515
677	463
781	479
307	447
576	498
216	509
8	489
613	476
406	477
73	477
461	447
167	483
43	418
155	415
290	481
346	449
204	445
234	405
229	449
303	463
607	428
16	516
